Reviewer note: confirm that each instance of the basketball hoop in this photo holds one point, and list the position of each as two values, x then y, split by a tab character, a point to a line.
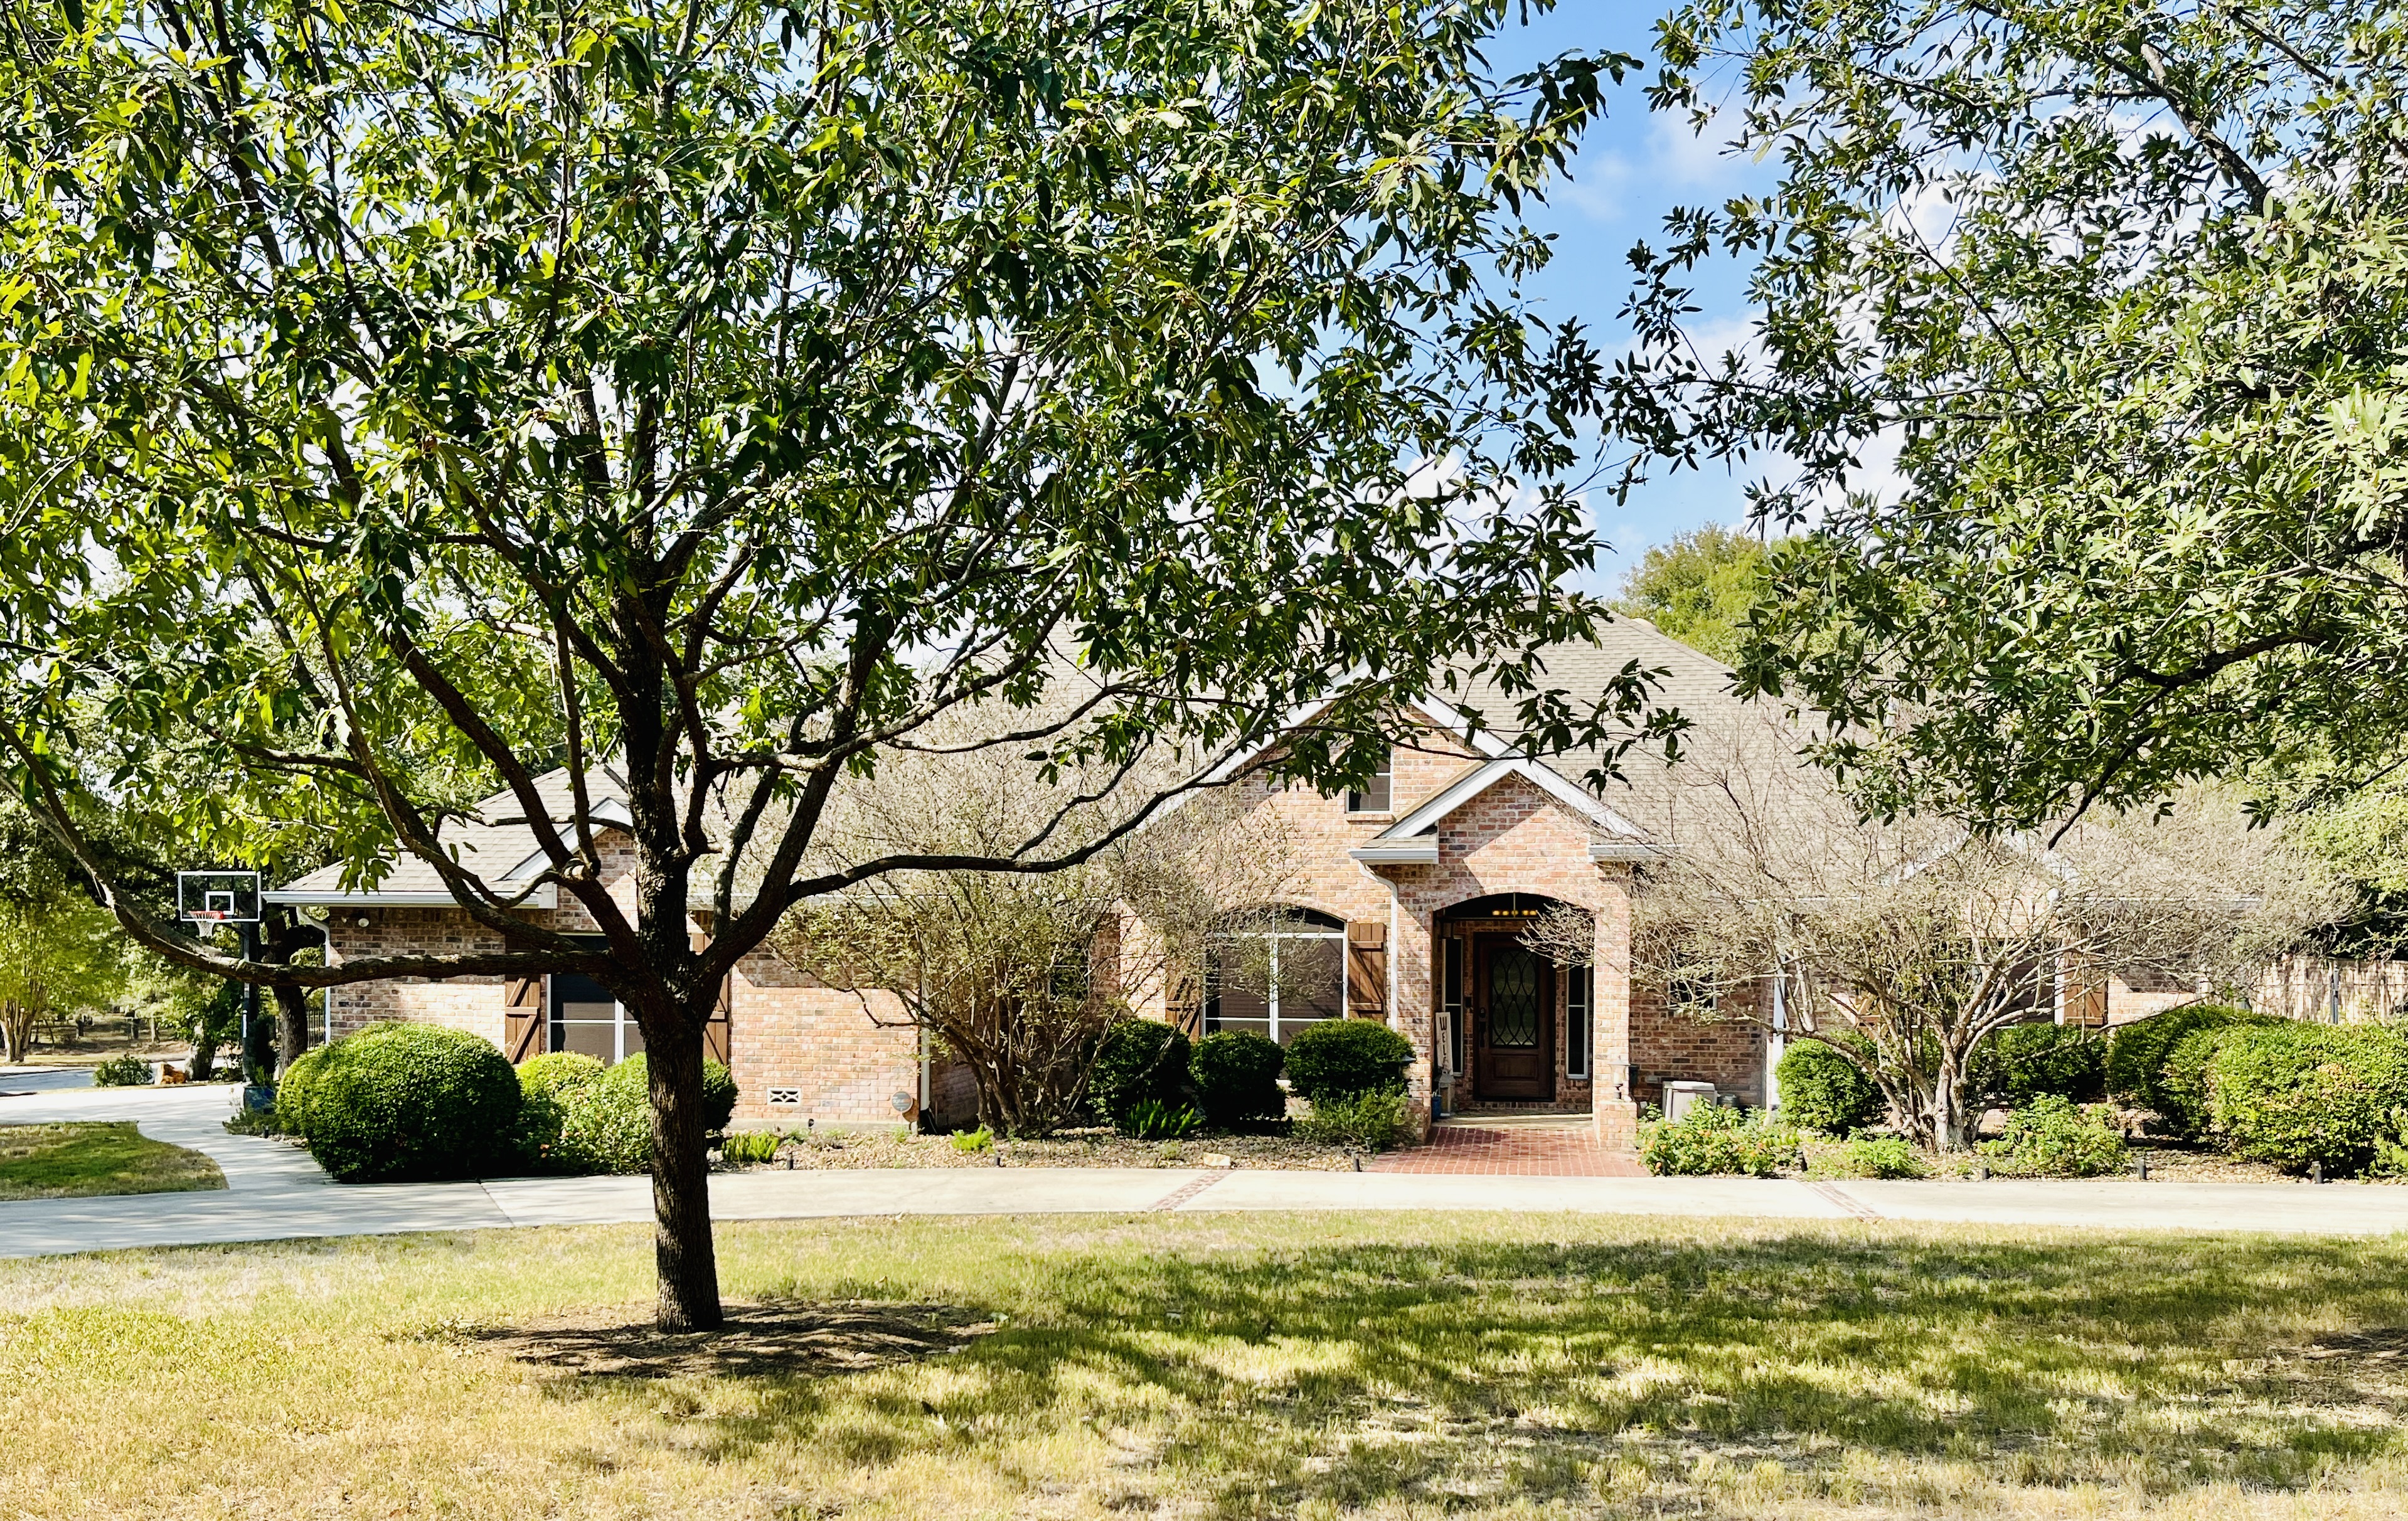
208	900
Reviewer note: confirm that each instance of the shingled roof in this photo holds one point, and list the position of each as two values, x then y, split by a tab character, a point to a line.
497	843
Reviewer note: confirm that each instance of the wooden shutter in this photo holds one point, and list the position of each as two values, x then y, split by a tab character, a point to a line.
717	1032
1367	969
1185	1004
523	1018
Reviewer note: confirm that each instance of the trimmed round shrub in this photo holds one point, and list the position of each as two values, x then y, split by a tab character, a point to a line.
1138	1059
1822	1089
1339	1058
1236	1073
402	1103
2051	1137
2013	1066
2292	1094
546	1084
121	1072
605	1122
559	1073
1709	1140
2136	1052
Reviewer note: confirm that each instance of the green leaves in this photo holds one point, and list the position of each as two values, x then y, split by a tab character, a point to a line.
2117	288
405	401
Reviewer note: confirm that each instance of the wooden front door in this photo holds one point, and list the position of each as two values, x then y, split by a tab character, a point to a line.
1515	993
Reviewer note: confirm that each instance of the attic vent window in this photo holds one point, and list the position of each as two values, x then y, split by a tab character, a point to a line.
1375	795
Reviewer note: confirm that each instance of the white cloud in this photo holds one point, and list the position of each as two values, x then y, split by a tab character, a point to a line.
1670	165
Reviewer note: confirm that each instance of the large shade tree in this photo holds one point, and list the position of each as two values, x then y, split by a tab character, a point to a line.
409	398
2079	345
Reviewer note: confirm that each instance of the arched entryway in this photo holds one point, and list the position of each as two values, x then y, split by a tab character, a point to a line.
1518	1021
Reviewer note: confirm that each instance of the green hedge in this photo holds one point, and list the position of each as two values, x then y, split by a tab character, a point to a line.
2013	1066
1821	1089
121	1072
606	1121
2183	1078
1236	1073
1138	1059
403	1103
2137	1054
2292	1094
1335	1058
546	1085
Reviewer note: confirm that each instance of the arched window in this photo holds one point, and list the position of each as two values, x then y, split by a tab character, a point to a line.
1275	970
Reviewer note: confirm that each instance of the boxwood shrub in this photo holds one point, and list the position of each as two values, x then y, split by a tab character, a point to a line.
2013	1066
546	1084
2292	1094
1236	1073
403	1103
2183	1078
1821	1089
1335	1058
606	1121
1138	1059
2137	1053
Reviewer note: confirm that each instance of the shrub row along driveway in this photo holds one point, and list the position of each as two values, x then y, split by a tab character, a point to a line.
275	1191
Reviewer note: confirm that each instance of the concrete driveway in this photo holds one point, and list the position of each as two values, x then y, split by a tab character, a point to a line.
275	1191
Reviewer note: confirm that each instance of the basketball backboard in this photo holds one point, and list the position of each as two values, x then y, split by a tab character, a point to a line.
208	898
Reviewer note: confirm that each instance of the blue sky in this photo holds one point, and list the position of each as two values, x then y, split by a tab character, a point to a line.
1633	167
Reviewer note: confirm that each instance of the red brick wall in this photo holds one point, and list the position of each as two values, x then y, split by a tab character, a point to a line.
1666	1046
846	1055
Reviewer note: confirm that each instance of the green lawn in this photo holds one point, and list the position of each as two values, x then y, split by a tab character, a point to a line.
1222	1366
67	1161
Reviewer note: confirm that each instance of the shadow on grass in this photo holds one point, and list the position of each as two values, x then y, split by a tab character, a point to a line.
1261	1381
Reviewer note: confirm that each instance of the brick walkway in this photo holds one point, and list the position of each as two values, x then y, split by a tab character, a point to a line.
1525	1151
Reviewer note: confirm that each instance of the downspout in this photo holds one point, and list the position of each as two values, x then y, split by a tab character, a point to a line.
1779	1043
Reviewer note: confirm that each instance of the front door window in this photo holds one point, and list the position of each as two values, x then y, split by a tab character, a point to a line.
1513	998
1515	991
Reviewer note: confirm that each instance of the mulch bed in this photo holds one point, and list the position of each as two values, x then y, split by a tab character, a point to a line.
758	1339
1068	1149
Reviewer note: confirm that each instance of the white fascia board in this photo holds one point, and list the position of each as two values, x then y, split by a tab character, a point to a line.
1381	851
1629	850
1486	744
611	811
546	896
1544	778
1448	718
1296	720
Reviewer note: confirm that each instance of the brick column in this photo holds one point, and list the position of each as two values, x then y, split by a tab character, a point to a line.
1617	1114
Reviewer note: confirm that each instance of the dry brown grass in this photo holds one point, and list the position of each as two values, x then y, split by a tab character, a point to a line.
1221	1366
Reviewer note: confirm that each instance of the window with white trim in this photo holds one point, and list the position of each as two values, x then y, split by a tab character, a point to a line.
1276	973
586	1019
1375	796
1579	986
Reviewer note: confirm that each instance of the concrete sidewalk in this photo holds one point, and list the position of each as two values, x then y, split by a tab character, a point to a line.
276	1192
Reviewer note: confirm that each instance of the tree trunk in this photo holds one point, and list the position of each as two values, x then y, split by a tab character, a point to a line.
292	1026
16	1029
681	1239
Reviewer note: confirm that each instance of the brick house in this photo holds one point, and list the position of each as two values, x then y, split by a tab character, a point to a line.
1407	903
